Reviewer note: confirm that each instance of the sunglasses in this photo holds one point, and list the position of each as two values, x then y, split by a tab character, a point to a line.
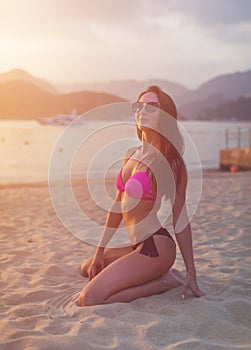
149	106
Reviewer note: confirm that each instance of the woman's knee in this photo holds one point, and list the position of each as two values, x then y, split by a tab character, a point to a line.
88	298
85	299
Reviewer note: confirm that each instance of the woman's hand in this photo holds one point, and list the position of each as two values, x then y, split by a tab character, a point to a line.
191	283
97	265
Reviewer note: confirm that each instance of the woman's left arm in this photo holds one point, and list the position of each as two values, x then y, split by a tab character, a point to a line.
183	235
184	239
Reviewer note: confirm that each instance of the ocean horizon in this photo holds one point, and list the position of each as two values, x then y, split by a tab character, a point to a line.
27	147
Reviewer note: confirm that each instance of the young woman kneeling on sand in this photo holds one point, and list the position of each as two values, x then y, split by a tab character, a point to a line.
150	172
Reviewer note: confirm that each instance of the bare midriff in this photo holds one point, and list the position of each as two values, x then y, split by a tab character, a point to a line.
140	217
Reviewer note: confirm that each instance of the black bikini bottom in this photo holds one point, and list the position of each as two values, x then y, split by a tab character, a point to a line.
149	247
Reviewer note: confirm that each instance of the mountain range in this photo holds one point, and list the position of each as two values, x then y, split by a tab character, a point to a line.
192	104
23	96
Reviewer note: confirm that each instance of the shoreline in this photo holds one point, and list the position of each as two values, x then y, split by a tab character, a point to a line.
206	172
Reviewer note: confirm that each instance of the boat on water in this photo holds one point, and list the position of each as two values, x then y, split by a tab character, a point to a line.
59	119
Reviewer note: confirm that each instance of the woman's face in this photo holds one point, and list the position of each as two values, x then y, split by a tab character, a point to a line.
147	112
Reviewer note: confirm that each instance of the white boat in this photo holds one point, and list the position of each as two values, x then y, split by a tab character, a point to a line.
59	119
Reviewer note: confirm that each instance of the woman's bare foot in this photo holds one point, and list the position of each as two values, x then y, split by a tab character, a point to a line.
171	280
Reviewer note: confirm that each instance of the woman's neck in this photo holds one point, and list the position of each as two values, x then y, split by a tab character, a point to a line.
153	141
151	138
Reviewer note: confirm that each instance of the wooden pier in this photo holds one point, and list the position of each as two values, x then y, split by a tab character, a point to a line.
237	153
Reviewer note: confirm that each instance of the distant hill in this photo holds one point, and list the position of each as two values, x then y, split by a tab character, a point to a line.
237	110
19	74
231	85
24	100
25	96
127	89
214	93
191	103
194	110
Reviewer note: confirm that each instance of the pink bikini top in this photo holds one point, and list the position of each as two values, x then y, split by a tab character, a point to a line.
137	186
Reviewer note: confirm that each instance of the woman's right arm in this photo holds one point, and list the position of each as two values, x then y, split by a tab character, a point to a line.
113	220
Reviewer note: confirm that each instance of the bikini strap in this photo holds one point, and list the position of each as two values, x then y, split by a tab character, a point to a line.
132	154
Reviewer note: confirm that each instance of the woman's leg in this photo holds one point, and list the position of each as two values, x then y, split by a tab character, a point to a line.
157	286
128	277
110	255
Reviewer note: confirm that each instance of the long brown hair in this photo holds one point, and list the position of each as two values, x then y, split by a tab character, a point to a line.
172	142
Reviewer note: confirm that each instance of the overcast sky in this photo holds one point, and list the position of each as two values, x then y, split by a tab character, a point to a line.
185	41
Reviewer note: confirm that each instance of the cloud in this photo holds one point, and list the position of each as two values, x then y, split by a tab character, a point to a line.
109	11
226	21
158	38
142	19
204	11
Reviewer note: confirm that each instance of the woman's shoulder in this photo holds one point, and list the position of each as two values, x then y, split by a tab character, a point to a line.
130	152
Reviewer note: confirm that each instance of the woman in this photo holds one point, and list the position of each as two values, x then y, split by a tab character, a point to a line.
150	172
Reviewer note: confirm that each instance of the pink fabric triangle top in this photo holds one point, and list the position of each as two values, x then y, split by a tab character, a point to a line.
137	186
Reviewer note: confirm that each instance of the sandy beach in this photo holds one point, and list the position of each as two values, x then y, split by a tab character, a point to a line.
40	279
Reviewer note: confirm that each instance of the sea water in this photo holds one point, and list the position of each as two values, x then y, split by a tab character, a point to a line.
27	147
